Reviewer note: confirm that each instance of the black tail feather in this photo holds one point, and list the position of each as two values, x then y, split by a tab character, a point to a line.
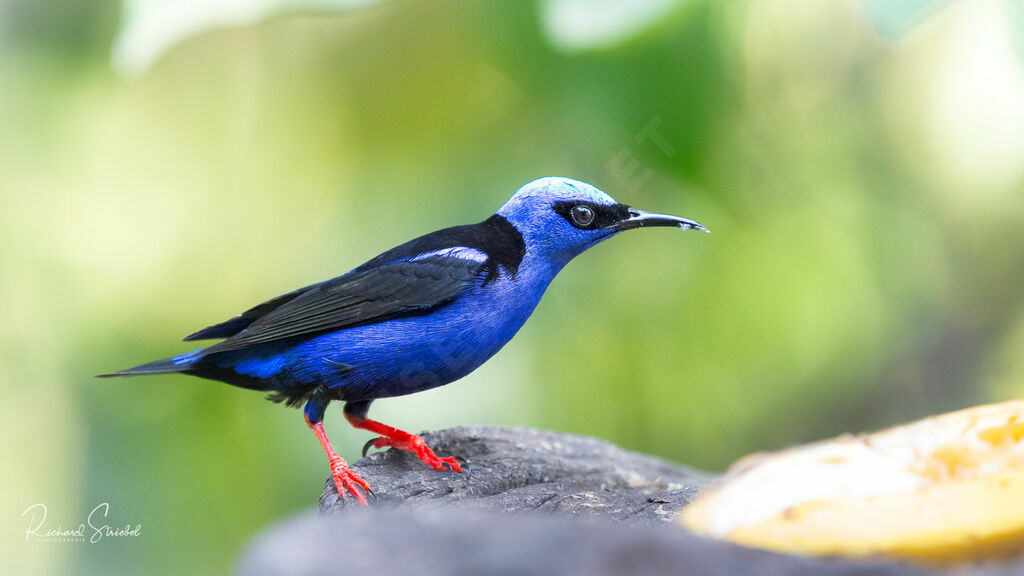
165	366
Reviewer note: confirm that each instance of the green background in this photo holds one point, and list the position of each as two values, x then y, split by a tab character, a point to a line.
861	167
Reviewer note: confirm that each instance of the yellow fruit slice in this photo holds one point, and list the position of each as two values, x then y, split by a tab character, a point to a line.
944	489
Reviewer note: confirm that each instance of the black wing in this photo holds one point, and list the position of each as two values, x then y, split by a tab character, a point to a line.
364	296
242	321
399	282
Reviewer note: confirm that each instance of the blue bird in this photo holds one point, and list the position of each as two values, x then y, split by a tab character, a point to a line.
418	316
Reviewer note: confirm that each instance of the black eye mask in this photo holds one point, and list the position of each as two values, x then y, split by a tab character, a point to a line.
604	215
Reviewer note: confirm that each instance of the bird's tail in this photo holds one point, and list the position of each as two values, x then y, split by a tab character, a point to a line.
182	363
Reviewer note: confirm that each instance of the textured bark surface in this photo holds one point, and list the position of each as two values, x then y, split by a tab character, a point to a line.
533	503
525	470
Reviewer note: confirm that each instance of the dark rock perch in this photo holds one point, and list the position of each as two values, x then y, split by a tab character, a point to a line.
527	470
532	503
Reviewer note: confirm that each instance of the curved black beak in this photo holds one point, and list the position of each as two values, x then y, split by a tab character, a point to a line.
641	219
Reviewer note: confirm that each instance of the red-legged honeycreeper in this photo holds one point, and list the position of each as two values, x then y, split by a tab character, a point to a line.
415	317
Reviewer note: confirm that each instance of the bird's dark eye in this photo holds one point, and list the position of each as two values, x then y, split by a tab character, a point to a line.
582	215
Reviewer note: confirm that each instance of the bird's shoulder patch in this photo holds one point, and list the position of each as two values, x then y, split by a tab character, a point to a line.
496	239
460	252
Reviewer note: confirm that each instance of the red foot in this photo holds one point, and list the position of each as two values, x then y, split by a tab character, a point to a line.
417	446
345	480
402	440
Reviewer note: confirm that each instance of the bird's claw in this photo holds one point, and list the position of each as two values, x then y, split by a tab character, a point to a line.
345	480
424	453
449	463
366	447
381	442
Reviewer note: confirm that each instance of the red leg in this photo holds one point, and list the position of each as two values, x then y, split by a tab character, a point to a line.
344	479
403	440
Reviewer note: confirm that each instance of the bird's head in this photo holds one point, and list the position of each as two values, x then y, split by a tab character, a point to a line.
559	218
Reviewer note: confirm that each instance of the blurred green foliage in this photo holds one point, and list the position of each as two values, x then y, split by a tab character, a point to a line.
861	172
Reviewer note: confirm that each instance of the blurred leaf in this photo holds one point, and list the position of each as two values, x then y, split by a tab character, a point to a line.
149	28
893	18
1015	9
582	24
